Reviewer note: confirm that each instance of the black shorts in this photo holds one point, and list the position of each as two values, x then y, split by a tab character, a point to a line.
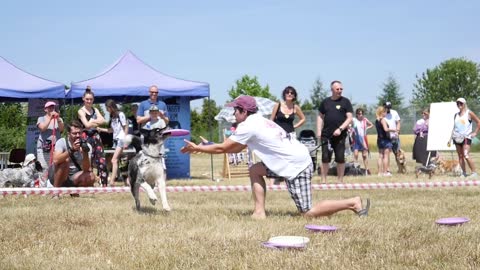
333	145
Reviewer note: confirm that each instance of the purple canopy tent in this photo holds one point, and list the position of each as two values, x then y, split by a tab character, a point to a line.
18	85
128	80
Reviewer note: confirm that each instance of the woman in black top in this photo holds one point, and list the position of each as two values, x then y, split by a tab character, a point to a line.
284	112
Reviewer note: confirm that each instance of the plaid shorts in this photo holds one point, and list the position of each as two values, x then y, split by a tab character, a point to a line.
300	188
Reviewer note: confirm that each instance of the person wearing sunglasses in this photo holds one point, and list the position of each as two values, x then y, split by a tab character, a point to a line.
143	115
284	112
462	135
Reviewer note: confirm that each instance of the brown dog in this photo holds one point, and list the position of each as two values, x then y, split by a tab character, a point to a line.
449	166
401	161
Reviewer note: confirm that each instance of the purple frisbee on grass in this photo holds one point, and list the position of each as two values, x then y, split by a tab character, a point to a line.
320	228
452	221
177	132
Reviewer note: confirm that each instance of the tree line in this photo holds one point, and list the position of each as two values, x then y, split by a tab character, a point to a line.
453	78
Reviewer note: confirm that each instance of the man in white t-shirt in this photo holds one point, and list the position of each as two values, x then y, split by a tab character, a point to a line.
281	157
393	121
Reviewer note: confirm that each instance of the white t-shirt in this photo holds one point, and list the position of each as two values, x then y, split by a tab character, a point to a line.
117	125
285	157
392	118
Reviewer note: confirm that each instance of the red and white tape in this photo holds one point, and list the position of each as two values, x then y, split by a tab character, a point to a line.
357	186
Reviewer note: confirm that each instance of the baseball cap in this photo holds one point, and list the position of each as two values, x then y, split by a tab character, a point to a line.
153	108
388	104
247	103
50	103
28	158
462	100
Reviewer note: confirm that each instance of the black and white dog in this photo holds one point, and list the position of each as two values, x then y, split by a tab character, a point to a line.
147	169
22	177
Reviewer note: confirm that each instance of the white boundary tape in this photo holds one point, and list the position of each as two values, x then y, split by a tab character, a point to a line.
93	190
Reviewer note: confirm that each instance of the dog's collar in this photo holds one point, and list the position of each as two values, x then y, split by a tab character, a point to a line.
148	155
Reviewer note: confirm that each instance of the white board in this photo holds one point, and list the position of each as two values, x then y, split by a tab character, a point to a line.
440	126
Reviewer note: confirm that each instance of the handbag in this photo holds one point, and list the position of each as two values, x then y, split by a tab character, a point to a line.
458	138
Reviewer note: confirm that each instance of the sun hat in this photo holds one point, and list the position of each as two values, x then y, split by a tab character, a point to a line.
462	100
28	158
153	108
247	103
50	103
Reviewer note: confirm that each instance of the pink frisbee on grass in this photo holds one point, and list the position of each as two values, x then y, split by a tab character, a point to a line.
320	228
177	132
452	221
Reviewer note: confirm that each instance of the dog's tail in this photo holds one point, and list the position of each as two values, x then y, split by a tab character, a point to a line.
135	141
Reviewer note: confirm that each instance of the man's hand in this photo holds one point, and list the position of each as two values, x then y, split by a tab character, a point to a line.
189	147
76	145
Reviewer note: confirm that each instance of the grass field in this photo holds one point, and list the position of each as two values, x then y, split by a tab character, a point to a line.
215	231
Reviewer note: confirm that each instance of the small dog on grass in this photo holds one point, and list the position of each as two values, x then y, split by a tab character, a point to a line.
401	161
430	170
449	166
147	169
22	177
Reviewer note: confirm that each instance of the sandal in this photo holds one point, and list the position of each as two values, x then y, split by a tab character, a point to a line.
364	211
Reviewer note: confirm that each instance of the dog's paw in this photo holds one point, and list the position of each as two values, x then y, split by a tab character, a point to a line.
168	208
153	201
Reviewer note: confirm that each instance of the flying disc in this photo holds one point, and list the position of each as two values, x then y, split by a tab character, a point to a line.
288	241
177	132
452	221
320	228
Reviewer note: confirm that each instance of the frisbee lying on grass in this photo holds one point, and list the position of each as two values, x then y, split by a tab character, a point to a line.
287	242
177	132
452	221
320	228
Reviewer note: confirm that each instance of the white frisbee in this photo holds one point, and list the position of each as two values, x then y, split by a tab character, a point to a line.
287	242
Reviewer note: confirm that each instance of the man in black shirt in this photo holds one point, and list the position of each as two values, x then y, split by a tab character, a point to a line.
335	114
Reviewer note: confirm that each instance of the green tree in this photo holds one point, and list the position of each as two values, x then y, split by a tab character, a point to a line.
203	123
453	78
318	93
391	92
250	86
13	125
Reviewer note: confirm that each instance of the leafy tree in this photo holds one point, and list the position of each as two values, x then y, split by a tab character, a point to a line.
13	125
203	123
391	92
307	106
250	86
453	78
318	93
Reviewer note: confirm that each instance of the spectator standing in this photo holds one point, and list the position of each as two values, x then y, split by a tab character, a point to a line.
119	127
283	113
384	142
91	118
462	135
393	121
142	114
335	114
360	142
420	153
51	127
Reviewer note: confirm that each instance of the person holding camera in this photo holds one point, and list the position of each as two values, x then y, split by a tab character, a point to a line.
71	159
50	126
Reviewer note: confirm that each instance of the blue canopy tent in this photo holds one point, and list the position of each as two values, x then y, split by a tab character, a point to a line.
128	80
18	85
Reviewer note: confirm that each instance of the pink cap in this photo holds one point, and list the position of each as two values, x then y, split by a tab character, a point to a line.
50	103
247	103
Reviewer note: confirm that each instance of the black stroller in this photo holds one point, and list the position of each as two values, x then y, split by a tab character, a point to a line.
307	137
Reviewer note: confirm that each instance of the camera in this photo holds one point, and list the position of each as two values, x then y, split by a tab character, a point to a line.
84	145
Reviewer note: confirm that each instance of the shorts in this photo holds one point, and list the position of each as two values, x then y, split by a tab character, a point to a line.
118	143
358	146
334	145
384	144
467	141
299	188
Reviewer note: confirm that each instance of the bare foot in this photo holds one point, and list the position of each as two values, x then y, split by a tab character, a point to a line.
258	216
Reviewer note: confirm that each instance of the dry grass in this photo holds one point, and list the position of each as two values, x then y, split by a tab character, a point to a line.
214	230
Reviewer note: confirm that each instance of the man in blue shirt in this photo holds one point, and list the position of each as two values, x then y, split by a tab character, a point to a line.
143	115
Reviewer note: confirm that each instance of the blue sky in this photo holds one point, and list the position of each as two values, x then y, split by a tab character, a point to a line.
281	42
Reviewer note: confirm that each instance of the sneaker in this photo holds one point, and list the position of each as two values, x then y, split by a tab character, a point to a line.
473	175
387	174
